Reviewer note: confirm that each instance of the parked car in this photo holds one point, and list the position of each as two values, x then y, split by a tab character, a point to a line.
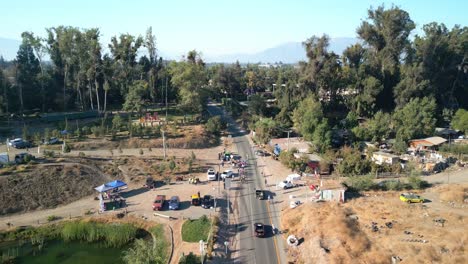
196	200
4	158
226	174
23	157
411	198
19	143
259	230
51	141
159	202
207	202
285	185
211	175
174	203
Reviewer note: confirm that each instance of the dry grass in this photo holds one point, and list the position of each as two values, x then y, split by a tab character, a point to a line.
454	193
332	236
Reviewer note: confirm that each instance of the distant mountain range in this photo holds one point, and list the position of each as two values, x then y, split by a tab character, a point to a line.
290	52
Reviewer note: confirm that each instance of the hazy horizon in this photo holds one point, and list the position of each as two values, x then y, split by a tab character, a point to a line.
217	28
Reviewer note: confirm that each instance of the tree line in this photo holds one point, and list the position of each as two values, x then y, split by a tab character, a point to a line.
402	86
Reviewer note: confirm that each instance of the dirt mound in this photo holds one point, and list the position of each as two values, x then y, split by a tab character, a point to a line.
373	229
330	236
47	186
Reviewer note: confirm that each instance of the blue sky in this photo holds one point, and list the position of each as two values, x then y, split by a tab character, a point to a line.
216	26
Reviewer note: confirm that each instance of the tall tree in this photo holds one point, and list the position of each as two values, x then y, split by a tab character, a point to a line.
189	77
39	52
124	52
386	33
150	44
416	119
28	71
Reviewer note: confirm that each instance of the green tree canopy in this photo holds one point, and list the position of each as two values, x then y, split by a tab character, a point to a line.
460	120
416	119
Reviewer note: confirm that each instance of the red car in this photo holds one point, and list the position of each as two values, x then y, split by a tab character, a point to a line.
159	202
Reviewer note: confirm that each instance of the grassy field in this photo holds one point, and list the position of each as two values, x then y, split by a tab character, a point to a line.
196	230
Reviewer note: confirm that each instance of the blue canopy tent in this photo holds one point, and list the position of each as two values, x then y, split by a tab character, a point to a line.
116	184
110	186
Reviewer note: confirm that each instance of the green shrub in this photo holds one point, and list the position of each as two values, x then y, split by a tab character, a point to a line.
51	218
360	183
49	153
66	148
190	258
415	182
393	185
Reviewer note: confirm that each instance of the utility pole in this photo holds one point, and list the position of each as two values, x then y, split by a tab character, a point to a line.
166	100
164	143
289	131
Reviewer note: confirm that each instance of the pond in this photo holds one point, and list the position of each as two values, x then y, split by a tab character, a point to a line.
57	251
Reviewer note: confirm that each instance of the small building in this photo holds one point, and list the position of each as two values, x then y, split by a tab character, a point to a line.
381	157
328	190
430	143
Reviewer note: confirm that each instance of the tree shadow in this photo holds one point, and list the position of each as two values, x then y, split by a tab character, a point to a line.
134	192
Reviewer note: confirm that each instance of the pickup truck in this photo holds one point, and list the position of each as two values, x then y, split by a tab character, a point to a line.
159	202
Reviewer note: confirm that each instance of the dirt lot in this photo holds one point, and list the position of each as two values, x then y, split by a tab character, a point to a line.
375	228
184	137
42	186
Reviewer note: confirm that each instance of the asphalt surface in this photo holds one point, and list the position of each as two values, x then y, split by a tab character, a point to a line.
246	210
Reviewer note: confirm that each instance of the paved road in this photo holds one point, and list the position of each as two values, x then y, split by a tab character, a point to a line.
247	210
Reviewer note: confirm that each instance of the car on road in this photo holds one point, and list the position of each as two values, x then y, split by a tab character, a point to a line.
211	175
207	202
23	158
174	203
259	229
227	174
159	202
411	198
285	185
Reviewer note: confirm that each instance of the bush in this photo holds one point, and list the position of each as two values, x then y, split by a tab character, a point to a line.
214	125
66	148
415	182
86	130
81	155
393	185
51	218
49	153
360	183
190	258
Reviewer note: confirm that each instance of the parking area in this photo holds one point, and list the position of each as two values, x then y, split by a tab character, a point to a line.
141	203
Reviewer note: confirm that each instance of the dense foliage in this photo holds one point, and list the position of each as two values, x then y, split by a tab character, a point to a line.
400	87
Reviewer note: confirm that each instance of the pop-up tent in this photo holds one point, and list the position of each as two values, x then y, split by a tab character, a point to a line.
110	186
116	184
103	188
